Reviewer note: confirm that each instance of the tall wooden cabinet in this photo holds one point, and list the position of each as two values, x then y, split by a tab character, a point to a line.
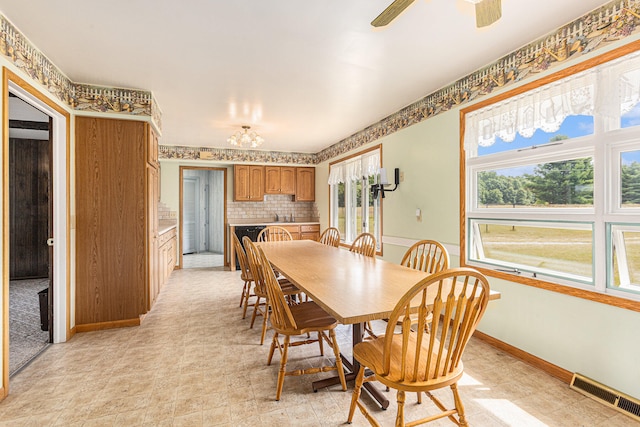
116	222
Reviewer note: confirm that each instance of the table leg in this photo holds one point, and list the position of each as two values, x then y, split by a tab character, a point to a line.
353	366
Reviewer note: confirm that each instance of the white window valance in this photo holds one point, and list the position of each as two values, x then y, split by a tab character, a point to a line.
355	168
610	89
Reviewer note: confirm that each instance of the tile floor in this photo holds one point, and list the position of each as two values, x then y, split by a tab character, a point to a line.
194	362
202	260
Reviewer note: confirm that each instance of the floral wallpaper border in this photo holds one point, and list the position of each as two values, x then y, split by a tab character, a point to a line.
613	21
80	97
234	155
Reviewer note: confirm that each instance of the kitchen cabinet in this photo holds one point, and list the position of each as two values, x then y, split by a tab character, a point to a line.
305	184
310	232
167	255
303	231
116	221
280	180
298	231
248	183
153	278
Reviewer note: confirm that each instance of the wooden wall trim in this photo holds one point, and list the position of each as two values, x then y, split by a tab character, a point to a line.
10	76
551	369
89	327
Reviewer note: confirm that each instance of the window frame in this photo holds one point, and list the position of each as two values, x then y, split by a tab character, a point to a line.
604	211
366	195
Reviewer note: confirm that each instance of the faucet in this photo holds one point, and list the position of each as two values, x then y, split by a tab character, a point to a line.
277	218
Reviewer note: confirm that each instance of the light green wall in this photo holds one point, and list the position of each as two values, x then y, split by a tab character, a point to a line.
596	340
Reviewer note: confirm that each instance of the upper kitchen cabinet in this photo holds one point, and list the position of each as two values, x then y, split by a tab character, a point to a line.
248	183
305	184
280	180
116	221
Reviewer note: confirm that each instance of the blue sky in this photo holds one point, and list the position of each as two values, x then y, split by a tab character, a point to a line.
573	127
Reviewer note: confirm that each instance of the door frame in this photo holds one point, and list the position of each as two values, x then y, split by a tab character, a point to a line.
60	176
224	170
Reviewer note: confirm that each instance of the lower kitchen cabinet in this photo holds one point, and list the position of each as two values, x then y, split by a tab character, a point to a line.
167	256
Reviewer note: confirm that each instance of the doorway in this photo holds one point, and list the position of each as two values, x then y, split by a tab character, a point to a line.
203	217
30	228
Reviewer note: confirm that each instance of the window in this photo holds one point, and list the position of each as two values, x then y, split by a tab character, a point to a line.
353	209
552	181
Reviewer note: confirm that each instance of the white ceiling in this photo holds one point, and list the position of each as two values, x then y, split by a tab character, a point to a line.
305	74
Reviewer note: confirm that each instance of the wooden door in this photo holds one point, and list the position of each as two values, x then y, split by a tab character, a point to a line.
29	164
272	178
111	224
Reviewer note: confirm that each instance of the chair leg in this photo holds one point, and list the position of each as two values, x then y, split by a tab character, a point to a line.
459	406
265	317
336	352
400	416
244	291
283	367
320	343
246	300
357	388
256	307
419	397
275	342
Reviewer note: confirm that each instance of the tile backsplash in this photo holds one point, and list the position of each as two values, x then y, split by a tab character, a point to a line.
165	213
272	205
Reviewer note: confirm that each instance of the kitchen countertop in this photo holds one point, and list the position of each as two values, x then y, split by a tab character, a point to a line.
166	225
240	222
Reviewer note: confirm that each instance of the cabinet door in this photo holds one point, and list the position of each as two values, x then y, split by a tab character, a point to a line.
256	183
287	180
272	177
248	183
112	228
305	184
240	183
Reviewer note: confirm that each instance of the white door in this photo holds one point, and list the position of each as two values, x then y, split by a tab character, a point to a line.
191	202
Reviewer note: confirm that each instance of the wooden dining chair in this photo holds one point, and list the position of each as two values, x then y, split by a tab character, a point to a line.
429	256
245	273
330	237
297	320
364	244
416	361
274	233
261	306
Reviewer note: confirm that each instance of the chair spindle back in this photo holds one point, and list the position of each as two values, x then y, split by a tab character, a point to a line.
456	310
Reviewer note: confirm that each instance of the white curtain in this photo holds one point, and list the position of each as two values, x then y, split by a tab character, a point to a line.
610	89
355	168
336	174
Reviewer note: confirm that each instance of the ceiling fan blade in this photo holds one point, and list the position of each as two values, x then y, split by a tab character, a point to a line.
488	12
391	12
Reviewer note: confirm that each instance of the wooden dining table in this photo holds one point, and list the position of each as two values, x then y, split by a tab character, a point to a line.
352	288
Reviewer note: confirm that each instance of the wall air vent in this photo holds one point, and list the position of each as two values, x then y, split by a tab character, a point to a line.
606	395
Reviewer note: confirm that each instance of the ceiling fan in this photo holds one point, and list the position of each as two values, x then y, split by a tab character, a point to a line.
487	12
